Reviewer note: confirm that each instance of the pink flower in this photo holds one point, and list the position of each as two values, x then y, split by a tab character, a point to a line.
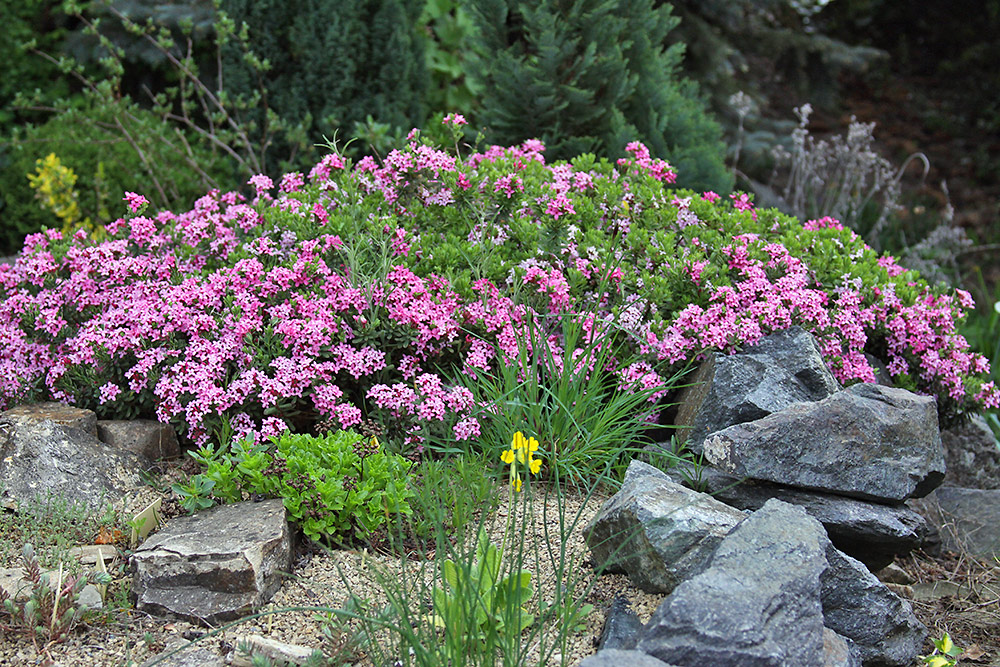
710	197
741	202
455	119
261	183
559	206
134	201
109	392
292	182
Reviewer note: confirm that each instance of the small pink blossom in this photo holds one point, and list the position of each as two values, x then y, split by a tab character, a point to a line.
710	197
455	119
134	201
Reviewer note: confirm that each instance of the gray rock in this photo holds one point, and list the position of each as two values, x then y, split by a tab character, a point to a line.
871	532
619	658
839	651
279	653
42	458
757	604
181	653
60	413
972	455
967	520
867	441
90	598
621	626
145	437
214	566
783	368
861	608
656	531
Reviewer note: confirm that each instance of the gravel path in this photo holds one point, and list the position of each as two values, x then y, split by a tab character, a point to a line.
322	579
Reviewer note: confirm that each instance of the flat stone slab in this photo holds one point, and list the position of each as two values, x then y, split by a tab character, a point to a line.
868	441
214	566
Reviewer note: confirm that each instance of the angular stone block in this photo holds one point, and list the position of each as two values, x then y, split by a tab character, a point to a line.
781	369
214	566
656	531
867	441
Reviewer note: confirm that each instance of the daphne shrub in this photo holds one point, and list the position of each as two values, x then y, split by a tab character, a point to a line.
333	486
368	290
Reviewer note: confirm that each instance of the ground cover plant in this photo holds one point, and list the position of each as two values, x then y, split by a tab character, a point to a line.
368	290
452	296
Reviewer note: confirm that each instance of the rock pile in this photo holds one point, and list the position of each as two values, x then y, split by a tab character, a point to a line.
809	484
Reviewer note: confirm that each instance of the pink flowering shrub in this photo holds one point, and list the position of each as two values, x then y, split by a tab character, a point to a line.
366	291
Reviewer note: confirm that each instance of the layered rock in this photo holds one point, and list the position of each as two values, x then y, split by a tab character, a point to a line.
214	566
867	441
871	532
782	369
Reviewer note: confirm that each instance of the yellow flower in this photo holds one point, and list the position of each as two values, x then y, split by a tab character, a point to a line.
521	451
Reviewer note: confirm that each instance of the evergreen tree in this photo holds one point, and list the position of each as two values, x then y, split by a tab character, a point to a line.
332	64
590	76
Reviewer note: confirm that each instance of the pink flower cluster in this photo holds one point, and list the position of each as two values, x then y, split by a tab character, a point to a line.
219	311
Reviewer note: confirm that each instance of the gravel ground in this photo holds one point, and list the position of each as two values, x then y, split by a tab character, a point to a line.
322	579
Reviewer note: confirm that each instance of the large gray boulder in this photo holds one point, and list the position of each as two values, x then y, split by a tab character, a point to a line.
60	413
861	608
656	531
873	533
757	604
214	566
783	368
867	441
967	520
39	458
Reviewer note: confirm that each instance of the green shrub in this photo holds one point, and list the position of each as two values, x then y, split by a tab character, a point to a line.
332	64
20	23
589	77
332	486
112	147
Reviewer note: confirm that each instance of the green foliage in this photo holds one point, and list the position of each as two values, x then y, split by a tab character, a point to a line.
476	601
331	486
112	146
589	77
330	65
945	653
51	611
588	426
21	23
450	32
449	493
